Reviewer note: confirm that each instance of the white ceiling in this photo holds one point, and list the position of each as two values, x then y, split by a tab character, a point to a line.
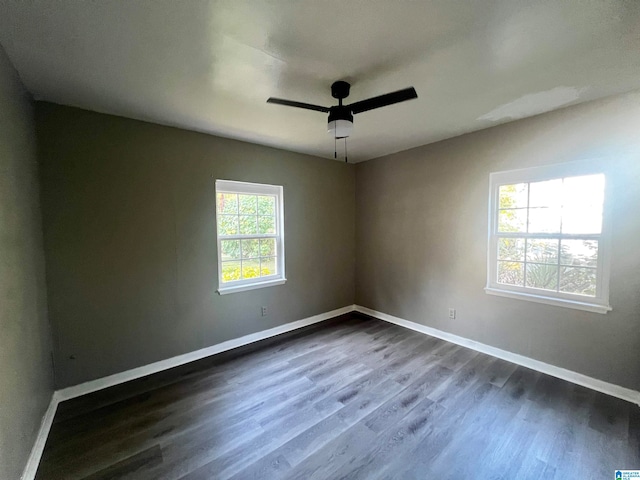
211	65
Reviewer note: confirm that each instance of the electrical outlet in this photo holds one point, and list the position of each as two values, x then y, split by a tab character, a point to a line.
264	311
452	313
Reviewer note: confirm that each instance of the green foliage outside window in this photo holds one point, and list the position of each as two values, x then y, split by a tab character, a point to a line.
233	271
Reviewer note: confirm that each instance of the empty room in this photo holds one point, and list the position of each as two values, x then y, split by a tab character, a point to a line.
355	239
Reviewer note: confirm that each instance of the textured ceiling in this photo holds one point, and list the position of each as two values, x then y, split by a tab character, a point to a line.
211	65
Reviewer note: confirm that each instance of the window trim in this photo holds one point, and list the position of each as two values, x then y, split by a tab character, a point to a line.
247	188
599	303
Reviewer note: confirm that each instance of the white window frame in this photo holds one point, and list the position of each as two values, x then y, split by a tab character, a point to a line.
246	188
599	303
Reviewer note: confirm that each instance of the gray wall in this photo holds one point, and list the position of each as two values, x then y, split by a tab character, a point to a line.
421	238
26	374
130	239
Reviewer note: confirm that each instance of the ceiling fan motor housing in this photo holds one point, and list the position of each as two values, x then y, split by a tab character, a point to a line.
340	113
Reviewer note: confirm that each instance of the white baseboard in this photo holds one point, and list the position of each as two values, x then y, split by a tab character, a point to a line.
623	393
122	377
31	468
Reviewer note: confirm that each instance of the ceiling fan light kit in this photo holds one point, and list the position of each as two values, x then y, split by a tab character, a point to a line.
340	121
340	128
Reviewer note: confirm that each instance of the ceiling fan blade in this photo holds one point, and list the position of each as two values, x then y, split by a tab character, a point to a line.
291	103
383	100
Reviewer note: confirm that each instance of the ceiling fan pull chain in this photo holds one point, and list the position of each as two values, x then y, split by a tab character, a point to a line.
346	159
335	147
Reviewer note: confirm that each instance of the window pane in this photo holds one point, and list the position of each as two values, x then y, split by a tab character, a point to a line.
584	190
227	225
248	204
579	252
513	196
250	248
267	247
544	220
582	219
512	220
511	273
541	250
582	205
269	266
545	194
228	203
542	276
578	280
230	249
266	205
250	268
230	271
248	225
266	224
511	249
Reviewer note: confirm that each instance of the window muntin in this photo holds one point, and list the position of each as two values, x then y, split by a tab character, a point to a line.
547	236
250	239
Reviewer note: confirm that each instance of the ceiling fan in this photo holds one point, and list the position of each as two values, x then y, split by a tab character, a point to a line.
340	122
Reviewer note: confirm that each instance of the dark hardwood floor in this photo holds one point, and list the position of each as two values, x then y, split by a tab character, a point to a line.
351	399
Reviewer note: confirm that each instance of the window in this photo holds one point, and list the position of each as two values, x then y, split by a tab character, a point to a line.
548	236
250	236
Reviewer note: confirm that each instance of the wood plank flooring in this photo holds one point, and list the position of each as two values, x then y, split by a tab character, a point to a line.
355	398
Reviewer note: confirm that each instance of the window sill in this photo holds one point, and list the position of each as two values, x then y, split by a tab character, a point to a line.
250	286
558	302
